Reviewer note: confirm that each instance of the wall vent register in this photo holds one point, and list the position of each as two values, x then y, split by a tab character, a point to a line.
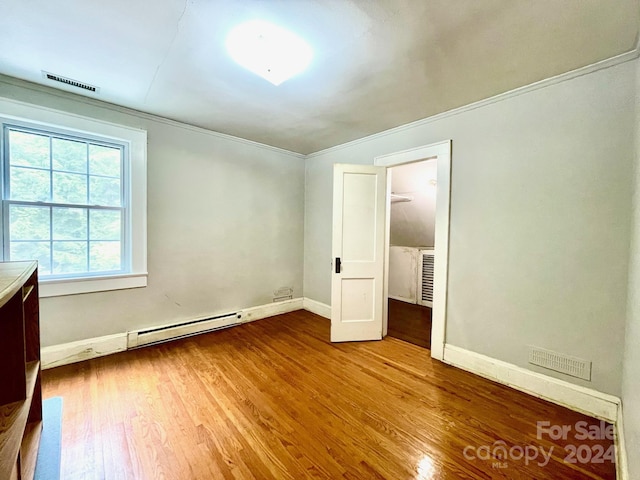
559	362
426	284
70	82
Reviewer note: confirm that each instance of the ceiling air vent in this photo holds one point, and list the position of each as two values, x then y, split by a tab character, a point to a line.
70	82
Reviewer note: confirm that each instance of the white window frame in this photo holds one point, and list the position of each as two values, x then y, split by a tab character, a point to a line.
136	142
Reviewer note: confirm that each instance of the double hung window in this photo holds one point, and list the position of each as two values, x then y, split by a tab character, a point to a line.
64	202
73	197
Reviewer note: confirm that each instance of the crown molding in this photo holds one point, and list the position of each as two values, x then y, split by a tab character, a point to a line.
16	82
547	82
579	72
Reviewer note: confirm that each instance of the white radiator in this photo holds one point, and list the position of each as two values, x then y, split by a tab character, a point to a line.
139	338
425	279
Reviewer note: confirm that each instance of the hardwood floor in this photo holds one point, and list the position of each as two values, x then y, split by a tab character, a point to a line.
410	322
274	399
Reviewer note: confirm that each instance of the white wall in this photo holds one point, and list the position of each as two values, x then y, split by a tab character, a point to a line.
540	215
412	224
631	371
225	227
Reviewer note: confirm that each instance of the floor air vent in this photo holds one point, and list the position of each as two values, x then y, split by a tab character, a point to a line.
576	367
70	82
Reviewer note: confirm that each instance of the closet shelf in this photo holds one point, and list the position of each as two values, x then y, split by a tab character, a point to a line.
396	197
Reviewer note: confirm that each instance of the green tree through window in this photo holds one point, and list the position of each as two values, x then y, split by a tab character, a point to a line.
64	201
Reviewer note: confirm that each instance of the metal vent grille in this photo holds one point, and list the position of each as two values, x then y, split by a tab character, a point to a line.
283	293
576	367
427	277
69	81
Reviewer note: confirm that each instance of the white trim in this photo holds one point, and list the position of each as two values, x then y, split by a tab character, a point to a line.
270	310
136	113
51	117
563	77
73	286
622	463
136	141
316	307
81	350
581	399
441	151
66	353
387	254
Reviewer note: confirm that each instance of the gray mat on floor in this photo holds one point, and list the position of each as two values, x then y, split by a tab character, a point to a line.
48	463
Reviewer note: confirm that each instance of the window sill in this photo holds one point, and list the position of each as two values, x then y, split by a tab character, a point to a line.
75	286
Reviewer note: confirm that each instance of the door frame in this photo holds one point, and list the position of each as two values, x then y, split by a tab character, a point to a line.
440	151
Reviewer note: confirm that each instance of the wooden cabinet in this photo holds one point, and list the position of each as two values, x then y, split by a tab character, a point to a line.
20	390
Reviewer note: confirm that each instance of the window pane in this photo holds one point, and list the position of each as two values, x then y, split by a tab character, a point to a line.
69	188
105	225
104	161
32	251
28	149
69	155
70	224
105	256
104	191
28	223
29	185
64	201
69	257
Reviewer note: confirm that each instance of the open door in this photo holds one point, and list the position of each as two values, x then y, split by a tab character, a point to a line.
357	285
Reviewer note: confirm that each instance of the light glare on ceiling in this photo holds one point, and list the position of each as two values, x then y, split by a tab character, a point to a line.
269	51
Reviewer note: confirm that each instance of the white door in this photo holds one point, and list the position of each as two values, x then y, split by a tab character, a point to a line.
357	286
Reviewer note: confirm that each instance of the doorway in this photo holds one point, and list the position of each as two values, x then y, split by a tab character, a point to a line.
412	217
441	154
360	239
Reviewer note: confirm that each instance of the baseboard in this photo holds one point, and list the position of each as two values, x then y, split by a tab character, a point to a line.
318	308
581	399
270	310
622	465
89	348
81	350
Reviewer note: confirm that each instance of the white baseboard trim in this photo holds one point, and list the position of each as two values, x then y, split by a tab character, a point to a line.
318	308
622	465
64	354
270	310
73	352
581	399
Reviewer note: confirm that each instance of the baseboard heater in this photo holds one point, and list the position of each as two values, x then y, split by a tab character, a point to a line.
139	338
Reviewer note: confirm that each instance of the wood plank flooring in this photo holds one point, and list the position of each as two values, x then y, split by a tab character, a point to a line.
273	399
410	322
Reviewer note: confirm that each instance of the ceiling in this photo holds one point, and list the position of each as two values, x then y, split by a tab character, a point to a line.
378	63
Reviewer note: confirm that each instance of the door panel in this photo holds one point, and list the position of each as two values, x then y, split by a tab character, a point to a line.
358	241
